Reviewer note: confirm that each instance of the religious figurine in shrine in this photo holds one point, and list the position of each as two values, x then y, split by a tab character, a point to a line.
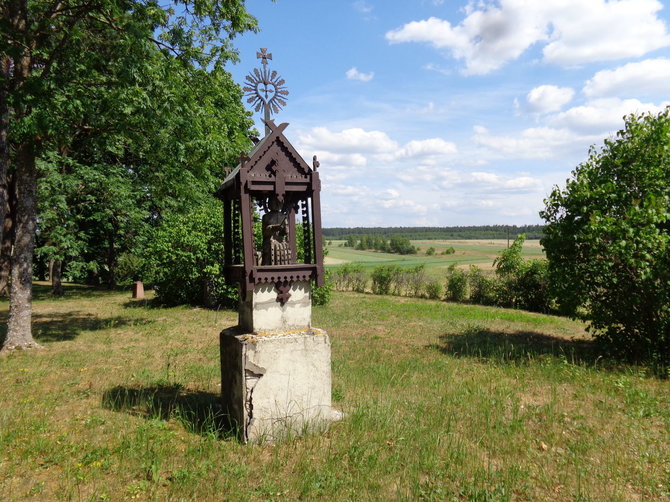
276	250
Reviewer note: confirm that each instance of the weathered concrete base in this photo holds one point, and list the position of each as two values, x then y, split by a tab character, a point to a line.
276	384
260	311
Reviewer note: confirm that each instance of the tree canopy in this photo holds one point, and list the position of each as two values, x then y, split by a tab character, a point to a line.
607	239
124	108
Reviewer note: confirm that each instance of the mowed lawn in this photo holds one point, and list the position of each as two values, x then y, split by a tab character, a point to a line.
466	252
443	401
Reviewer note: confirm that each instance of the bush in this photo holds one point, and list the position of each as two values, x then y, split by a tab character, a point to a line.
483	289
607	239
350	277
415	280
449	250
129	269
185	256
321	294
384	278
457	284
532	287
510	260
430	251
434	290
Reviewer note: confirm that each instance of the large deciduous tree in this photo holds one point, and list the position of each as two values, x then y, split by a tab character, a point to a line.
607	239
53	51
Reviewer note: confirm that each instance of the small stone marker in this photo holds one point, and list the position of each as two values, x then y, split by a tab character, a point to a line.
138	290
275	367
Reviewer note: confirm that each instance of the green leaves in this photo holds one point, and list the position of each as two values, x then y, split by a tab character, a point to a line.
184	256
608	239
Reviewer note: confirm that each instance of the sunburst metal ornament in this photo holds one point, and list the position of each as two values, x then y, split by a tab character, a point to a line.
265	89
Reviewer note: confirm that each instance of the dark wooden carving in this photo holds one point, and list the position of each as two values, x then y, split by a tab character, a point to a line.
273	177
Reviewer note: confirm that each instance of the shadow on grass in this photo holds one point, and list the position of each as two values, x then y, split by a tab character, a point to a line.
42	291
199	412
60	327
145	303
517	347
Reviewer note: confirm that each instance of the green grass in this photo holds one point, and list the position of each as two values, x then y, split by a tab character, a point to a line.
443	401
473	252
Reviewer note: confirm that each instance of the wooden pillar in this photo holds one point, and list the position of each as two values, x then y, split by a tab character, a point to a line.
316	226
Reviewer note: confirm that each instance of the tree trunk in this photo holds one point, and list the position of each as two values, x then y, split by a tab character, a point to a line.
111	262
55	270
6	251
5	74
19	333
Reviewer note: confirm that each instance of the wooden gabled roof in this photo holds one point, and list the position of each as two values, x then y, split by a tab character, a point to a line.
273	165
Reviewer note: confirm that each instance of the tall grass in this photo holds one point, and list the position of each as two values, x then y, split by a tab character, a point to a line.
444	402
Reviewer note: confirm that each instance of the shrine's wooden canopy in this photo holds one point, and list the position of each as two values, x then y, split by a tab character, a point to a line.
273	169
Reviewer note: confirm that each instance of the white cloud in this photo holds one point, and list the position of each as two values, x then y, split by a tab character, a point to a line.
532	143
416	182
355	140
600	116
354	74
596	30
548	98
437	68
649	77
566	133
362	7
390	193
573	31
426	147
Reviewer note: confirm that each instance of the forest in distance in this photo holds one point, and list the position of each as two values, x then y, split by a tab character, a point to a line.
440	233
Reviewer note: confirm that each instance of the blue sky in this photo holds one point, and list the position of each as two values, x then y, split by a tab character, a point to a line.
456	112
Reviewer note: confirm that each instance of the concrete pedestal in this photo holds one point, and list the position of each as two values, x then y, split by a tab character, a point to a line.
276	384
260	309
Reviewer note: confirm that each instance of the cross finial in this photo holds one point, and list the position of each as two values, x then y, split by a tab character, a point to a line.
264	55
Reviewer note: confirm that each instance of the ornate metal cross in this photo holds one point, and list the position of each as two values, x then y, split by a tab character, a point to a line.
265	89
264	55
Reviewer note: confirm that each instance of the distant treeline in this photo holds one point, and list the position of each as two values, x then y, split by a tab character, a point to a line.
440	233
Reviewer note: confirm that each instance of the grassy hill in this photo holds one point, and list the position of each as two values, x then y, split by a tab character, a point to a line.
443	401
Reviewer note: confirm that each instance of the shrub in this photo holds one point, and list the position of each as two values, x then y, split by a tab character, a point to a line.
430	251
384	278
449	250
532	287
129	269
483	289
321	295
434	290
350	277
184	257
415	280
510	260
607	239
457	284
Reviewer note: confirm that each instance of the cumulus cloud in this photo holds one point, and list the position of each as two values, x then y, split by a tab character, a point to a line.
426	147
354	74
572	32
600	116
548	98
352	146
411	183
355	140
532	143
649	77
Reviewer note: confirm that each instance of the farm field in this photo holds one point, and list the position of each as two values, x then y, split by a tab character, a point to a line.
467	252
443	401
